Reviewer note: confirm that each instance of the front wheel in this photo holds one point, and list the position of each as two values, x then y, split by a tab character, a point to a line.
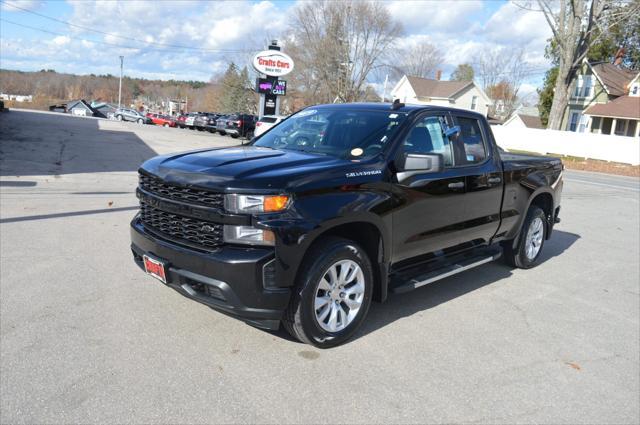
119	117
140	121
166	125
526	253
333	294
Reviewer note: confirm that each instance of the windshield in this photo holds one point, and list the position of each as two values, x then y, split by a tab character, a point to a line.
339	132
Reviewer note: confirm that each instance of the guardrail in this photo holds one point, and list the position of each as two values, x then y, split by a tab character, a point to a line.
625	150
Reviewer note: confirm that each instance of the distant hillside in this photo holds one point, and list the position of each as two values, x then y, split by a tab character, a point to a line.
49	86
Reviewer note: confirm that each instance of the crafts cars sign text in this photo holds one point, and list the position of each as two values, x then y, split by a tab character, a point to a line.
273	63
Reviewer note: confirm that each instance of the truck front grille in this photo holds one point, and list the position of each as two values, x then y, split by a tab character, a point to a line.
180	229
190	195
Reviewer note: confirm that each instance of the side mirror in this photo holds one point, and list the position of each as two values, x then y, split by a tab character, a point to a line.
452	132
415	163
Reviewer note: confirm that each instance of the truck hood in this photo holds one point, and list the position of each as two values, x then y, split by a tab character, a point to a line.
256	168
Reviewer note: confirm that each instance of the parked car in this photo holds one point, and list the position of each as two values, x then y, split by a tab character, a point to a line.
180	120
221	124
163	120
387	199
190	120
240	125
124	114
206	121
266	122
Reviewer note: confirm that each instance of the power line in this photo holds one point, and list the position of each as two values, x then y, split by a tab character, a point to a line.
112	44
166	46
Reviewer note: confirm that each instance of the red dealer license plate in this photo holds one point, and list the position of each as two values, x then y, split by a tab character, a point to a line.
155	268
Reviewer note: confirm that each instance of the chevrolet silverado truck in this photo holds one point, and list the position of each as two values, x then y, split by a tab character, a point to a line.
338	206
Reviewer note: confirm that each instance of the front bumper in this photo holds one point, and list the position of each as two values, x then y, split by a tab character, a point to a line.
231	280
232	131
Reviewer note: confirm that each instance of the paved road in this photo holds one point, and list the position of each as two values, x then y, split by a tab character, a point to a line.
85	337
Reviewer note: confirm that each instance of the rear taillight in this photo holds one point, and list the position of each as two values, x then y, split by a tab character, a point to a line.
239	123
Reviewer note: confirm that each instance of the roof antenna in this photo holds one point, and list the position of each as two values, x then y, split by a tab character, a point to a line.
397	105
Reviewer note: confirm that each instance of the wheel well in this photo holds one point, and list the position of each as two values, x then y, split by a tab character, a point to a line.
369	238
545	202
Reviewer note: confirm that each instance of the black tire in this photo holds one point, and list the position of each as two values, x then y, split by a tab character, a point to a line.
300	317
234	136
517	256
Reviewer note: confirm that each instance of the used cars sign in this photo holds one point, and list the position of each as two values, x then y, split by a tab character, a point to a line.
273	63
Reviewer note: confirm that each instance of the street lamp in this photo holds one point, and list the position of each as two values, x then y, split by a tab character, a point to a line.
120	86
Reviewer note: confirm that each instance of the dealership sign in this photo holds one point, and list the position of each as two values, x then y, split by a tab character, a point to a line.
266	86
273	63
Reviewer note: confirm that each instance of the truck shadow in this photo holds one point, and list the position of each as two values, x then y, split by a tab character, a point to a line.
36	144
399	306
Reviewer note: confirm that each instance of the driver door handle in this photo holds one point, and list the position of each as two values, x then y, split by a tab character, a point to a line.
456	185
494	180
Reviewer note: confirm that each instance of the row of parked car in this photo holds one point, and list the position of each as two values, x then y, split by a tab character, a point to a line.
235	125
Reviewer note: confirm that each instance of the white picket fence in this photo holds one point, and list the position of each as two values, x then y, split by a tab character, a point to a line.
625	150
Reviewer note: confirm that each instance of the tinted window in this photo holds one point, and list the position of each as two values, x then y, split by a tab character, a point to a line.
427	137
471	137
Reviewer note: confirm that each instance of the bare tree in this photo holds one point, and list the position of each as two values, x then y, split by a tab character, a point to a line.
419	60
336	45
576	25
501	73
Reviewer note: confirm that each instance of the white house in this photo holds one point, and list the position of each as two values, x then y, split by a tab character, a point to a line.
524	117
456	94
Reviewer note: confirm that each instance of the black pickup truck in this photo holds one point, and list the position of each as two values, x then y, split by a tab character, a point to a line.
337	206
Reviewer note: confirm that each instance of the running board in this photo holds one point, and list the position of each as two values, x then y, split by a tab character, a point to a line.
443	272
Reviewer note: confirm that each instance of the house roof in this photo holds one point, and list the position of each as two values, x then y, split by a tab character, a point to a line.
81	103
531	121
614	79
424	87
622	107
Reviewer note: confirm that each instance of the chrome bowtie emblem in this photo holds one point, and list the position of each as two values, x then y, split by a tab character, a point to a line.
206	229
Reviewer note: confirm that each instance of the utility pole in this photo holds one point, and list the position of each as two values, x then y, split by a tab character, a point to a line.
120	87
384	88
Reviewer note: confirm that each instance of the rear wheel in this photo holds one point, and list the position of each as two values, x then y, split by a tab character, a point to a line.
119	117
140	121
526	253
333	293
166	124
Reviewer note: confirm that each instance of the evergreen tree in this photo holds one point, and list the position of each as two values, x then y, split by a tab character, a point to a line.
463	72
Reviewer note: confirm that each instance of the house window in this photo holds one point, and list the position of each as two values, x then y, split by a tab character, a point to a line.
573	123
578	89
588	83
582	126
620	127
635	89
474	103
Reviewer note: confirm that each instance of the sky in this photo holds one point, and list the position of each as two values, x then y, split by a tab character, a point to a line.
193	40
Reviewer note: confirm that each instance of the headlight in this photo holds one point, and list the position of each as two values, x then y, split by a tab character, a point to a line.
248	235
247	204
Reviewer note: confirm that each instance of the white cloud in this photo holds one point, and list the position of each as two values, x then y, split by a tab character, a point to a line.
61	40
23	4
427	16
511	25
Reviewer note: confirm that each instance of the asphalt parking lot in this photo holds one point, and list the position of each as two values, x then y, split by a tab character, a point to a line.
86	337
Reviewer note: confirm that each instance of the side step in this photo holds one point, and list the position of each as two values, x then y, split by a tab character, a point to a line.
446	271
